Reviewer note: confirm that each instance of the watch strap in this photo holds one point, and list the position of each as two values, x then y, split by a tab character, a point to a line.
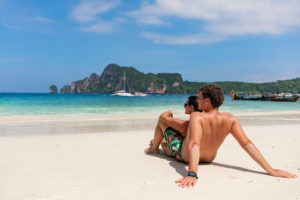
192	174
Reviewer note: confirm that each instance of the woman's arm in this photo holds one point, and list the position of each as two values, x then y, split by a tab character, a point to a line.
178	124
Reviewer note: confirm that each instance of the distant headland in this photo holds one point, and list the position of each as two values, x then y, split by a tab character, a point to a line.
112	79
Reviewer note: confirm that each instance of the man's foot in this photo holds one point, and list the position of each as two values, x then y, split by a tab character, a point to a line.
150	150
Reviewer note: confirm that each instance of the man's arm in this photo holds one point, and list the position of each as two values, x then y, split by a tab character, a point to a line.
193	150
250	148
177	124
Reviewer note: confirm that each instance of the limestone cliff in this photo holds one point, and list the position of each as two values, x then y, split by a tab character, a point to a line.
81	85
112	79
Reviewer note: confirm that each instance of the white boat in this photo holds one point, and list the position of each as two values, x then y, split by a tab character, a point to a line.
140	94
285	95
123	92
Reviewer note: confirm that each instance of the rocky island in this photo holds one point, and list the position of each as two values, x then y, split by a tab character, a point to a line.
112	79
53	89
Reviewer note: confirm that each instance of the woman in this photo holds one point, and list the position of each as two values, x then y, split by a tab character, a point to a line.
169	131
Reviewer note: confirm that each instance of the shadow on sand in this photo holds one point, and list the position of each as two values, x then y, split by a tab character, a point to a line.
182	170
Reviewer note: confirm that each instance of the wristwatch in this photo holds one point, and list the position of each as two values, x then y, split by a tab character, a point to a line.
192	174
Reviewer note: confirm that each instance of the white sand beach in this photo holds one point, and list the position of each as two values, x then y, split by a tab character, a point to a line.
44	159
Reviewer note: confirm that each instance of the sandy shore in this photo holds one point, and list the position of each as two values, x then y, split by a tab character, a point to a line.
21	125
80	160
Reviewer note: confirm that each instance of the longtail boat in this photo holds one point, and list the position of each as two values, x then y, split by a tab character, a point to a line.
282	97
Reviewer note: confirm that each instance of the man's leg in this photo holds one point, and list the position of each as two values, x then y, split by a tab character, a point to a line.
158	137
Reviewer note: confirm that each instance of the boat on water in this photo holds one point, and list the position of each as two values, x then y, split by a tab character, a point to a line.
123	92
280	97
140	94
128	94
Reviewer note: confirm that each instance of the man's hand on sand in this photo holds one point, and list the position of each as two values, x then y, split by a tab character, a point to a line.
187	181
283	174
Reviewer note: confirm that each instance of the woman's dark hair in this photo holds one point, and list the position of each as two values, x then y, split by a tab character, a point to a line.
192	101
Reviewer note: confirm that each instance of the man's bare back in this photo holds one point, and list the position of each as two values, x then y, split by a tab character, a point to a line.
215	128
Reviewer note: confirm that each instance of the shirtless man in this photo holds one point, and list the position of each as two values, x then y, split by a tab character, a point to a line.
207	132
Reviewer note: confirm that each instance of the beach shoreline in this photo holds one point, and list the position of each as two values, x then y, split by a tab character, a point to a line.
73	124
121	116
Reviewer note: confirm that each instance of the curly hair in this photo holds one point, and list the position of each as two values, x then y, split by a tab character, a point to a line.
214	92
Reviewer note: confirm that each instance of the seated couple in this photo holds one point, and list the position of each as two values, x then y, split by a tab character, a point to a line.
199	139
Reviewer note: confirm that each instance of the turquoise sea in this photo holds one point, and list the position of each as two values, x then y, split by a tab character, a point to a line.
106	104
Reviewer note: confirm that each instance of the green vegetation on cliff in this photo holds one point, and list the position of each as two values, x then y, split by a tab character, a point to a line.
53	89
112	79
292	86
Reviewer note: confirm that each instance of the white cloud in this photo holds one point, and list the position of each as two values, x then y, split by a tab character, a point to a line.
152	20
149	14
100	27
88	13
221	18
186	39
88	10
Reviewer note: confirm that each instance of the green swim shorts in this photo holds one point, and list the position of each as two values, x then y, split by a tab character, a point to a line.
174	141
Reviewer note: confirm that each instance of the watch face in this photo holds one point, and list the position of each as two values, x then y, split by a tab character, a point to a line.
192	174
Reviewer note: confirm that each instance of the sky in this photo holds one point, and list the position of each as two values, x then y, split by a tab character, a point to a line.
60	41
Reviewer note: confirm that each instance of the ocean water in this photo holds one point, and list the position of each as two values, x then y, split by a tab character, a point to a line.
106	104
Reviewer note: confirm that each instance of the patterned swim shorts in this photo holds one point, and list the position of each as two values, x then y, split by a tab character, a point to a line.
174	141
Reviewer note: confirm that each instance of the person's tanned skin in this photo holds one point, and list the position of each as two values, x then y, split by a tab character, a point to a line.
207	132
166	120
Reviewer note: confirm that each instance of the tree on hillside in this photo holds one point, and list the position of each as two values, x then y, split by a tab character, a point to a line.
53	89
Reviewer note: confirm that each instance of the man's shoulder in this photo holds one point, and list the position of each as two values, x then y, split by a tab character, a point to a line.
228	115
198	114
203	115
225	114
